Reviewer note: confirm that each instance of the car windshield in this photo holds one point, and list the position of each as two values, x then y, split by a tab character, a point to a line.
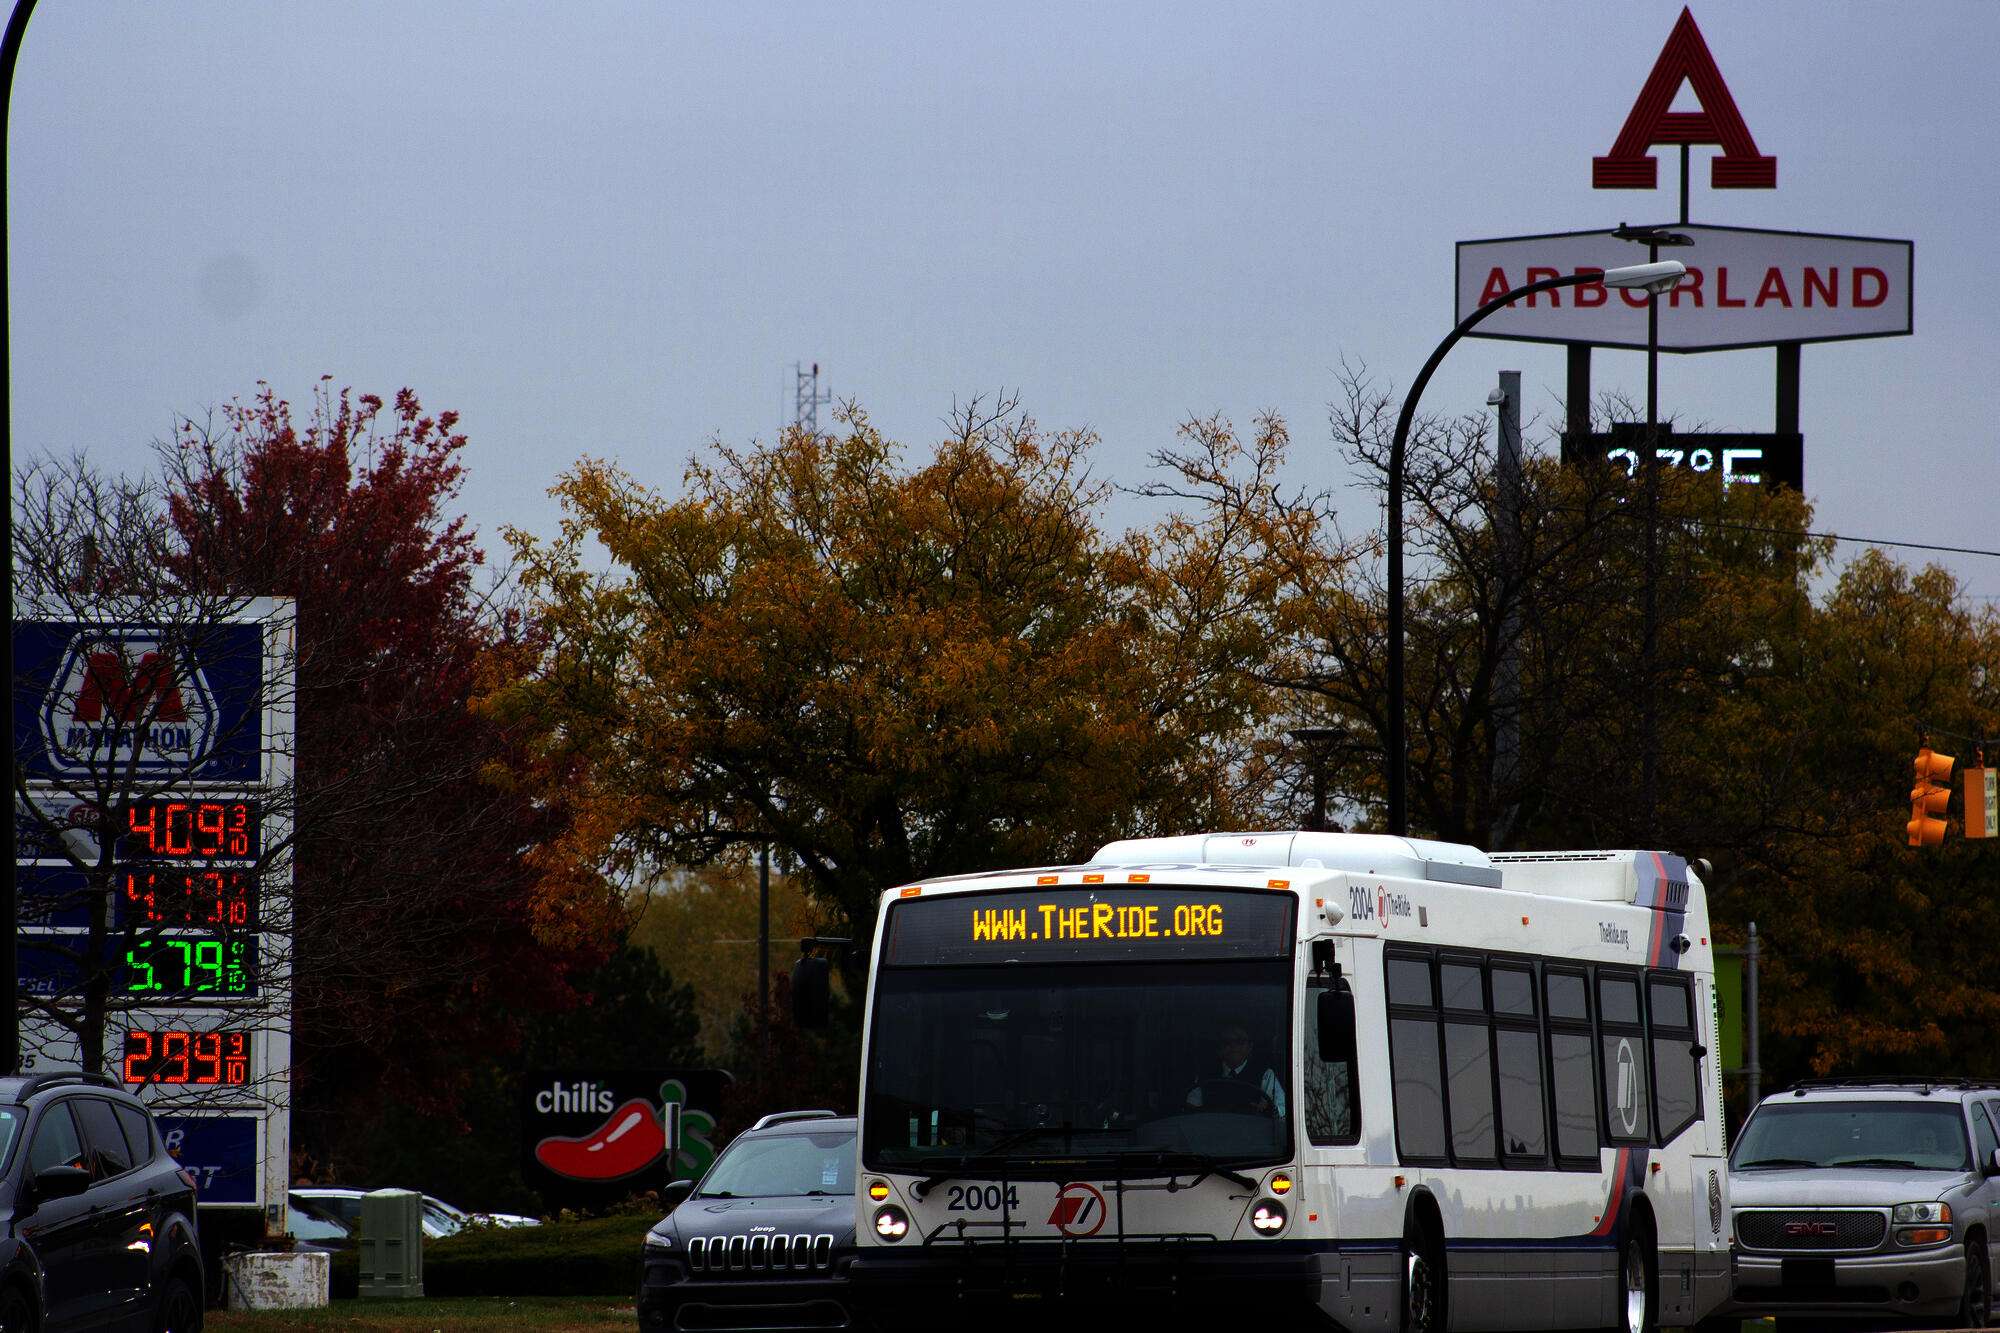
973	1069
441	1219
10	1129
1875	1135
307	1224
766	1165
343	1208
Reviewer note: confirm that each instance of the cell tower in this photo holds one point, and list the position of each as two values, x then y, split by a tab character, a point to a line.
807	397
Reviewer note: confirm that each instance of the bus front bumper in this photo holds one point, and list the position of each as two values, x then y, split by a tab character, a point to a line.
1010	1282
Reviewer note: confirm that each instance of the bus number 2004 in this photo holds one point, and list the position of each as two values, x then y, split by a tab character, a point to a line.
977	1198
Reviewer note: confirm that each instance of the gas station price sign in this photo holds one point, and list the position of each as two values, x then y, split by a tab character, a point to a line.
177	1057
191	830
190	967
216	898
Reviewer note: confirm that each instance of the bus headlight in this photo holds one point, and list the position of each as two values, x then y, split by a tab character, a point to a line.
1269	1216
891	1223
1923	1212
878	1190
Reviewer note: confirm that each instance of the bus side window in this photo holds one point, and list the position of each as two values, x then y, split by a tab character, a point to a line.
1468	1062
1332	1110
1676	1066
1517	1056
1572	1071
1416	1064
1628	1107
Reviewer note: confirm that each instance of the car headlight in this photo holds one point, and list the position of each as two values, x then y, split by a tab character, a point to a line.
658	1240
891	1223
1268	1217
1923	1212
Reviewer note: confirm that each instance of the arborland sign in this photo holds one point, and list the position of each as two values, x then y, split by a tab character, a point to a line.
1745	288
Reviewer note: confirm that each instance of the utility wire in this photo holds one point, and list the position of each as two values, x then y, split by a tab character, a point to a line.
1836	537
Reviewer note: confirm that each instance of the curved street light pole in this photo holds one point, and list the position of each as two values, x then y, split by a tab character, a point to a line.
1655	278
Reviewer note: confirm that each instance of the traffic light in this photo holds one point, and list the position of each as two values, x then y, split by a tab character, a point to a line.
1929	798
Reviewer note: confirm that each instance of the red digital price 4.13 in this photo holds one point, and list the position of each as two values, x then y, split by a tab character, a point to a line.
177	830
180	895
205	1059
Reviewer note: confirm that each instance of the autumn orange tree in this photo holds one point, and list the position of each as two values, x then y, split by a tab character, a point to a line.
1790	695
1876	952
889	672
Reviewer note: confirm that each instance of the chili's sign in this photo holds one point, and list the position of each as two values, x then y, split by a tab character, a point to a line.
596	1136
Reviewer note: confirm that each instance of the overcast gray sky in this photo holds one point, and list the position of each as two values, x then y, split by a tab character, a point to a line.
613	228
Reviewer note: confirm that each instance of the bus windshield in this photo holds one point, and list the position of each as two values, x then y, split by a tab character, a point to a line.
976	1070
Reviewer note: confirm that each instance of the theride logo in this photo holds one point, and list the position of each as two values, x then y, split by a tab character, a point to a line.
131	699
567	1099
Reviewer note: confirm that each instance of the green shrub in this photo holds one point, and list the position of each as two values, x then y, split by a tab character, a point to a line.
567	1256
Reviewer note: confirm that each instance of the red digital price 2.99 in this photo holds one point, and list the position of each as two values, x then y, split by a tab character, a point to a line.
172	830
211	1059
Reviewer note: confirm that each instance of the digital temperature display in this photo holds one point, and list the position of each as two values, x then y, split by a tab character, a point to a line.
202	1059
224	898
193	967
190	830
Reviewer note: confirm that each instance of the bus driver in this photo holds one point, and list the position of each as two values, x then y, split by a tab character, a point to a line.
1238	1080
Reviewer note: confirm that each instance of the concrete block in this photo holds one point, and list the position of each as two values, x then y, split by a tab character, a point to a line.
297	1281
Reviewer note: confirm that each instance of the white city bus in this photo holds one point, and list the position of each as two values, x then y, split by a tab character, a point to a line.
1332	1080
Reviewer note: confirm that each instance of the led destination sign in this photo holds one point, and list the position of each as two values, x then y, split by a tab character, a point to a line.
1088	923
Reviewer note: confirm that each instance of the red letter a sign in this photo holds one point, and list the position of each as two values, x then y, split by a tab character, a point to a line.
1685	56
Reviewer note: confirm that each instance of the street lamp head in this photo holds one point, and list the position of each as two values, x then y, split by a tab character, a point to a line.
1655	278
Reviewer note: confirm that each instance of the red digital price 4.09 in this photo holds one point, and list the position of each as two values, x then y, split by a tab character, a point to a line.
173	830
209	1059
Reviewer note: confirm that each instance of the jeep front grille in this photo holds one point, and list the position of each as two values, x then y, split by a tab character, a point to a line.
1814	1229
760	1254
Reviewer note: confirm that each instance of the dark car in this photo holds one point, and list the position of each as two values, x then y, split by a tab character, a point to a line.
764	1239
97	1222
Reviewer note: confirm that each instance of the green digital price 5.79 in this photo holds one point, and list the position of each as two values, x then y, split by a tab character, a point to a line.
192	966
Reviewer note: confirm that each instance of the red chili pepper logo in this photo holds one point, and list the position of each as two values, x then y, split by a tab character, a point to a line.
631	1140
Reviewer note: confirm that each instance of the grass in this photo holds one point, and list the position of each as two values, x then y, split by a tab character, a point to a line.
465	1314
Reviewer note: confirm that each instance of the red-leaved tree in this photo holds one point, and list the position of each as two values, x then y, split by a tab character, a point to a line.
417	948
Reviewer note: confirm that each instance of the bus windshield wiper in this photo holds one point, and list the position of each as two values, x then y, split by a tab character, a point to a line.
965	1159
1207	1166
1117	1165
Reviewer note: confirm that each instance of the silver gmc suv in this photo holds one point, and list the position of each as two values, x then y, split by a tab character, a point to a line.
1873	1199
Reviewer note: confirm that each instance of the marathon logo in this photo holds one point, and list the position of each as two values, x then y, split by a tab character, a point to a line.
134	699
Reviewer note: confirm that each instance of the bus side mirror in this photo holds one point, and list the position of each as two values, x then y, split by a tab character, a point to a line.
810	992
1336	1026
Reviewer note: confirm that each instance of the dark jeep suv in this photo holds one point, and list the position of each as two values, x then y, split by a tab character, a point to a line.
97	1223
764	1239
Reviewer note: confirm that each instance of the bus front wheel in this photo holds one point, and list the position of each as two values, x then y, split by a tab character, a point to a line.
1423	1280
